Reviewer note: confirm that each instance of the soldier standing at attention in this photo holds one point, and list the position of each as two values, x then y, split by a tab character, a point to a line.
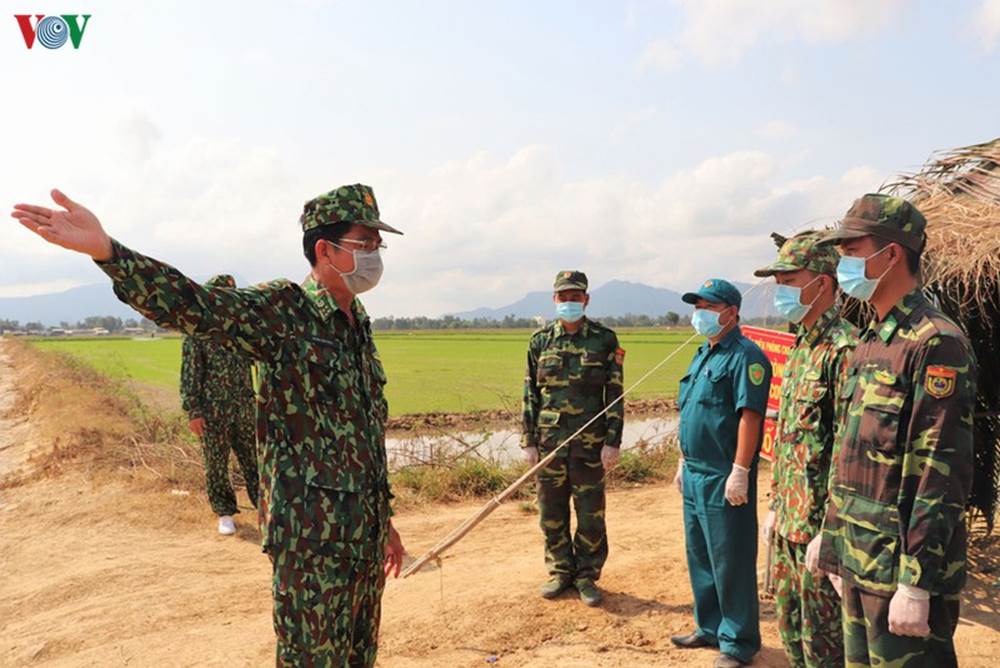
218	397
811	412
722	399
895	529
574	372
324	502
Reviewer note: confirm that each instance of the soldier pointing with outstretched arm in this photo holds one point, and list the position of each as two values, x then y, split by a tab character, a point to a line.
324	494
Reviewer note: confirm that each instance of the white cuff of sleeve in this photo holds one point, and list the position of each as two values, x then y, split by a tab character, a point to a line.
916	593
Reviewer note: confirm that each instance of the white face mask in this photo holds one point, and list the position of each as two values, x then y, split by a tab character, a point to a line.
366	273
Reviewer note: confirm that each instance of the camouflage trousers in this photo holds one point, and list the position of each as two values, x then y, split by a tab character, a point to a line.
222	434
809	617
326	610
582	555
868	642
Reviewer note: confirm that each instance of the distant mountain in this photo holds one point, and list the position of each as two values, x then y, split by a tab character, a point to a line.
71	305
615	298
618	298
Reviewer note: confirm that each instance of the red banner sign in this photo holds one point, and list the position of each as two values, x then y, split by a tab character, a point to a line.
776	346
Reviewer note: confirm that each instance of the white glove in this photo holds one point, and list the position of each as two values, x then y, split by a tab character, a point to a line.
838	584
679	476
530	455
737	484
609	457
909	610
812	554
767	529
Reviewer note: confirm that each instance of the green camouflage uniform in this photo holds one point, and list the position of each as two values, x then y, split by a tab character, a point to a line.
905	464
570	379
324	503
216	386
809	617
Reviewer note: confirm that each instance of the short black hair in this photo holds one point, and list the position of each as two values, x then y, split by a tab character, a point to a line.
912	256
332	233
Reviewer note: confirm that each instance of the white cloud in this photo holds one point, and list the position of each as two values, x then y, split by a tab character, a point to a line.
479	231
987	24
484	231
719	32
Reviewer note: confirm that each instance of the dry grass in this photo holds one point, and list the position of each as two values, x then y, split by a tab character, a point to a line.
87	421
958	191
450	477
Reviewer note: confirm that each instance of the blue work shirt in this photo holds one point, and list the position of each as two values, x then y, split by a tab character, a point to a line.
721	381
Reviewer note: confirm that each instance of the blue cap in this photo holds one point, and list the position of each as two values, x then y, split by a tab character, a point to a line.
715	290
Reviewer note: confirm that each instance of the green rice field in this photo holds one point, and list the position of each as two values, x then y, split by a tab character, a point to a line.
429	371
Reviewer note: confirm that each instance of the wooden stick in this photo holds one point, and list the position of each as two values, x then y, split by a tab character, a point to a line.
468	525
768	564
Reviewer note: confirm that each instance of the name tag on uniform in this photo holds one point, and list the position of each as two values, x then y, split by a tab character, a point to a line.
323	342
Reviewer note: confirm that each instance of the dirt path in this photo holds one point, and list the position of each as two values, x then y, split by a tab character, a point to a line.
14	448
97	571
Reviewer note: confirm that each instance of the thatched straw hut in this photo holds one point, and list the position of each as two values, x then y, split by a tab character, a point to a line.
958	191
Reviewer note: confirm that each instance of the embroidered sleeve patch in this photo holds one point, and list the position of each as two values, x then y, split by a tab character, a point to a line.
940	381
756	371
619	356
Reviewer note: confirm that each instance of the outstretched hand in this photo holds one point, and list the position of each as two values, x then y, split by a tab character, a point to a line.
75	228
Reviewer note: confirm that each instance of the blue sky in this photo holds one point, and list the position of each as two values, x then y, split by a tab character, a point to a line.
649	141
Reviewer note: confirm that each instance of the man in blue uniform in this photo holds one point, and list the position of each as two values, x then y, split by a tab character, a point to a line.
722	399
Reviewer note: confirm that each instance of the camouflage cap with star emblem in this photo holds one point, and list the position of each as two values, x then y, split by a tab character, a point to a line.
884	216
570	280
717	291
346	204
803	251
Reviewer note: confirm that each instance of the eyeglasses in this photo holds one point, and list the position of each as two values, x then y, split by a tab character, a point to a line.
365	244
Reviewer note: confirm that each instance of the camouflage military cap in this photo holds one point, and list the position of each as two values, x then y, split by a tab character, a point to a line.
570	280
221	281
803	251
717	291
883	216
346	204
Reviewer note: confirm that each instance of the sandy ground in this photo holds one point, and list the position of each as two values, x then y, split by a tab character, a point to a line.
14	444
112	571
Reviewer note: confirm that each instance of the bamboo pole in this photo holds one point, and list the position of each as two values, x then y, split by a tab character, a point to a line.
459	532
468	525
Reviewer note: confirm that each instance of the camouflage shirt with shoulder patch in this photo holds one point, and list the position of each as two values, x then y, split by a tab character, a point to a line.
570	379
905	465
808	419
321	410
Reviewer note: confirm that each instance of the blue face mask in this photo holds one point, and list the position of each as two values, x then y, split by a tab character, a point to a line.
569	311
788	301
852	279
706	322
